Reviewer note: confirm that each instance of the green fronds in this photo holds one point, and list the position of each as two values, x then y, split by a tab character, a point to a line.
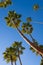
25	25
7	18
9	52
15	44
18	47
8	60
14	14
28	19
27	28
1	4
8	2
23	31
5	3
11	14
19	16
13	19
14	58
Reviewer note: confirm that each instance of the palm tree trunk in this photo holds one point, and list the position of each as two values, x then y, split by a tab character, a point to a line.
15	62
11	63
36	48
11	60
19	59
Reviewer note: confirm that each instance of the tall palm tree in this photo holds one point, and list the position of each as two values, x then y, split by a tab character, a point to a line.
19	49
13	20
36	6
9	55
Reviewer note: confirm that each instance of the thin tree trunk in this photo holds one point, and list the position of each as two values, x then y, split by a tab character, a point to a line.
11	60
36	48
19	59
11	63
15	62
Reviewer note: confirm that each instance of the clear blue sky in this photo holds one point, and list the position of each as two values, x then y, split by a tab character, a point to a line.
9	35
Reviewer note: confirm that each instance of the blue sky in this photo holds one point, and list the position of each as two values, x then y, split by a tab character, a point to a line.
9	35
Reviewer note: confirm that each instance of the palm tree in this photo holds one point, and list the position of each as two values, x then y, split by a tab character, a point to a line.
5	3
13	20
27	29
19	49
36	7
9	55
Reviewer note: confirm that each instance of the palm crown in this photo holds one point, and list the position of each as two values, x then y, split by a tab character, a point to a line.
27	28
13	18
19	48
12	53
8	54
5	3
